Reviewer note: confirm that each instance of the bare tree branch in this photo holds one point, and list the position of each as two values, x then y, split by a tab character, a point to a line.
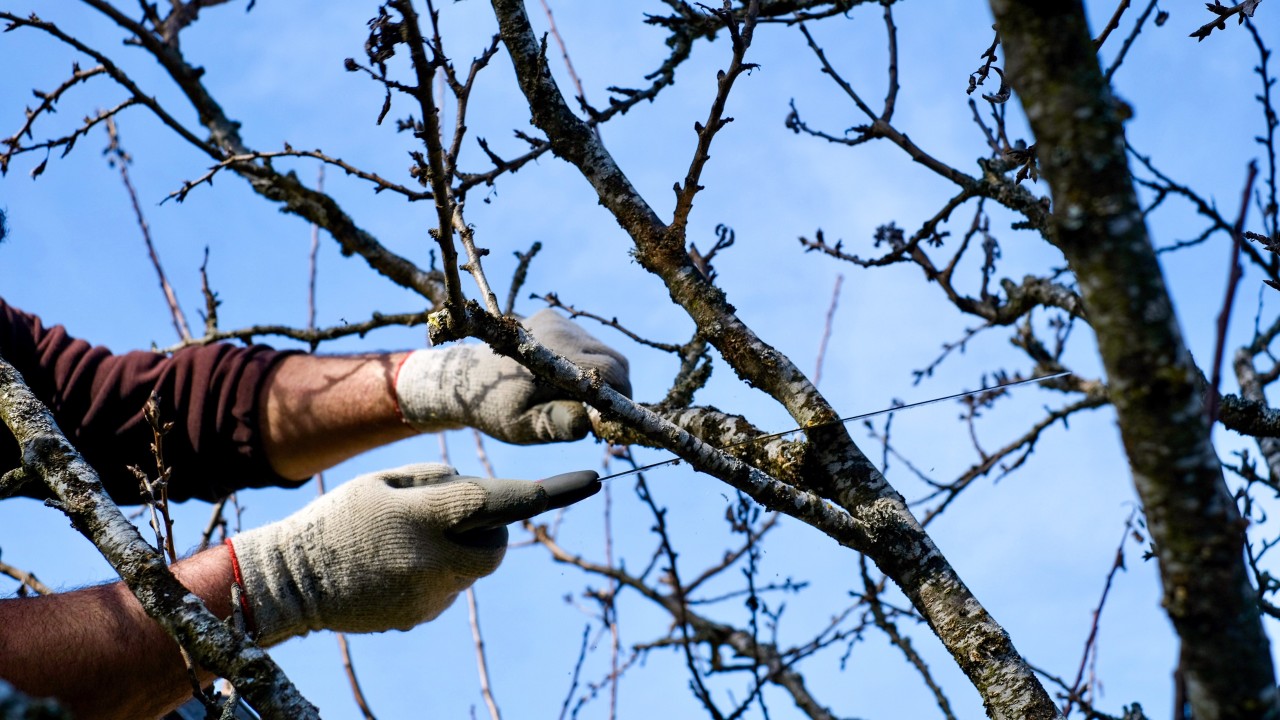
840	471
26	579
80	495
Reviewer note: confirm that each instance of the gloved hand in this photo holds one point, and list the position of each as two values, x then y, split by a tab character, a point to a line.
470	385
387	550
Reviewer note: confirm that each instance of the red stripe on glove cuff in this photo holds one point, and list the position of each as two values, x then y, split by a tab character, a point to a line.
244	596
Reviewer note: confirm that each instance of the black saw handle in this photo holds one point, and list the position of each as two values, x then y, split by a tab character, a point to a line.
563	490
568	488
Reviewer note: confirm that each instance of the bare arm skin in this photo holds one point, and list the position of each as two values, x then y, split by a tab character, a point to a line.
103	657
98	652
316	411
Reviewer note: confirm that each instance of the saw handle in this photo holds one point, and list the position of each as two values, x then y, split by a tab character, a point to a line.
568	488
562	490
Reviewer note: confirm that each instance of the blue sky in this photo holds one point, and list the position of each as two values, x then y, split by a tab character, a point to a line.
1034	547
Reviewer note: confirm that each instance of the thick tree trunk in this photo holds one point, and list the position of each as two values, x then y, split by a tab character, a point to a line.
1098	225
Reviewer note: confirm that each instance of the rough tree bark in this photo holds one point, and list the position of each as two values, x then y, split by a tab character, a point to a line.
47	455
1098	224
879	522
826	481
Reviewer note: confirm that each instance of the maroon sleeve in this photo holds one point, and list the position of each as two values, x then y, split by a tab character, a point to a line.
210	394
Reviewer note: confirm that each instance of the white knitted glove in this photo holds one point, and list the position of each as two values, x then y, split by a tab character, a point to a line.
387	550
470	385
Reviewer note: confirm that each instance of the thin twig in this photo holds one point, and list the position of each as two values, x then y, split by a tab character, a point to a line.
216	521
1243	10
138	96
47	101
312	257
1233	281
780	662
159	489
891	95
26	579
903	643
716	119
349	668
1270	210
553	300
155	494
467	235
1022	447
741	518
472	607
117	155
378	320
577	672
520	275
678	594
755	536
611	605
826	331
438	165
568	64
481	455
233	161
1128	41
481	663
1091	713
1075	692
1112	24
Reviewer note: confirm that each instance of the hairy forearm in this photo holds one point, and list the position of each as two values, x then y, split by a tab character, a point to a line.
98	653
317	411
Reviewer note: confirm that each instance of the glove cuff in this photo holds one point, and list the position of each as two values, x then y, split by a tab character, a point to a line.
422	384
268	599
243	595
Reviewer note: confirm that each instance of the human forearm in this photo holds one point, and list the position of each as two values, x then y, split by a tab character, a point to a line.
209	394
387	550
96	650
316	411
